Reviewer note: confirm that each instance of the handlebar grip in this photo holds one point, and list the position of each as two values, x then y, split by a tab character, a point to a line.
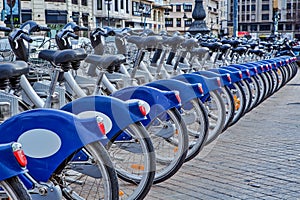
26	37
73	35
44	28
82	28
5	29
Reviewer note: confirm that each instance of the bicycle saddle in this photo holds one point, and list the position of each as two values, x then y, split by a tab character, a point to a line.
225	47
12	69
212	46
106	61
190	43
239	50
62	56
200	52
173	41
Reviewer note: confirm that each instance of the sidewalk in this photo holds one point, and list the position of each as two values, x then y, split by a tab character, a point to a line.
258	158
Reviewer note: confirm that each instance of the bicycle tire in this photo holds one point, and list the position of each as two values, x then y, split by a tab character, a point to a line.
15	189
169	136
240	102
216	111
255	91
229	106
196	120
141	171
246	87
80	185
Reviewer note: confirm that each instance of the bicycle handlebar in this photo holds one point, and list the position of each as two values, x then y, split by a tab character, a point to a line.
5	29
44	28
26	37
70	34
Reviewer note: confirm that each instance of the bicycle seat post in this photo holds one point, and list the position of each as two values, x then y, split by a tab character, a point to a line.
52	87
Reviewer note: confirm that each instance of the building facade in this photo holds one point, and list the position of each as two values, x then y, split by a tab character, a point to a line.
257	17
158	15
93	13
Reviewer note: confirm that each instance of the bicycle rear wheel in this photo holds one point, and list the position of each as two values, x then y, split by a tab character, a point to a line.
90	178
14	189
169	136
133	157
215	108
196	120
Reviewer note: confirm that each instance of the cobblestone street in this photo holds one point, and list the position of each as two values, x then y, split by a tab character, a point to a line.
258	158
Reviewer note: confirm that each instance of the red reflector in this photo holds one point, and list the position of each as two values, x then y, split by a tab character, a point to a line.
143	110
101	127
248	72
101	124
219	82
255	69
21	158
19	154
178	96
200	88
228	77
240	74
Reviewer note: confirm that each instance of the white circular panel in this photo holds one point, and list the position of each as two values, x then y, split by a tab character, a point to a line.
40	143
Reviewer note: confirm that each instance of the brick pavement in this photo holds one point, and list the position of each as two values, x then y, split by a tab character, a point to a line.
258	158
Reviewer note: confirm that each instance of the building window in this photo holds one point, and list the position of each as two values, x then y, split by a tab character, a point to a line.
169	22
187	7
253	7
288	15
288	6
264	27
116	5
265	16
188	22
158	16
178	8
85	19
244	28
178	22
122	4
280	27
288	27
127	6
253	27
26	15
75	16
74	1
265	7
99	4
56	16
84	2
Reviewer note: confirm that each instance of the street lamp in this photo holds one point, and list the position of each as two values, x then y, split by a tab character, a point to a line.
108	3
184	20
